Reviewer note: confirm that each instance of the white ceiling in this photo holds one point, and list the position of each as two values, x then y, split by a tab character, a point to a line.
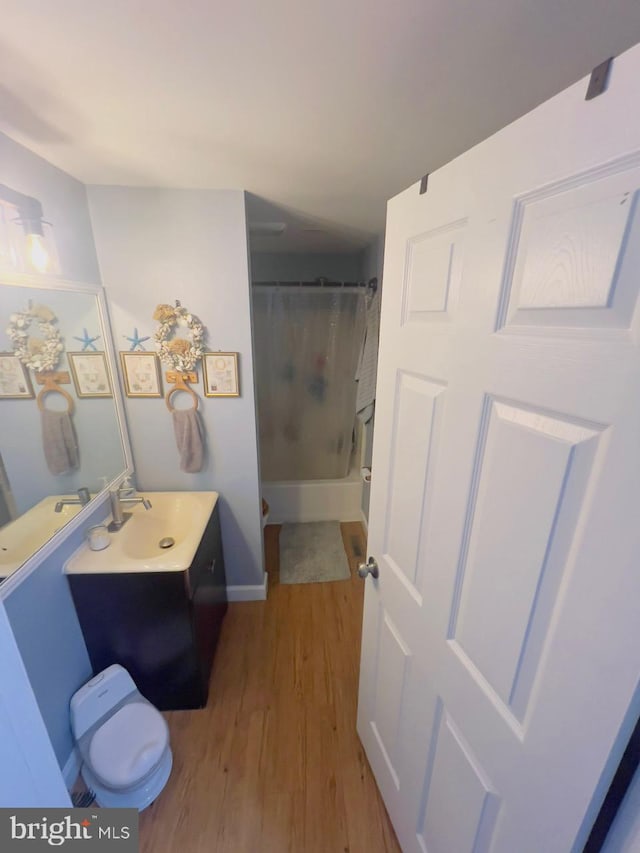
323	109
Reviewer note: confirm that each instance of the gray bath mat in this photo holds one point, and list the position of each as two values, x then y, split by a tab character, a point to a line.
312	553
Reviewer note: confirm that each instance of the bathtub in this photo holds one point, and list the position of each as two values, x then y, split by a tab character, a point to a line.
314	500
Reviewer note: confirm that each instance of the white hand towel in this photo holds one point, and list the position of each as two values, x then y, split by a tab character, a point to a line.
189	438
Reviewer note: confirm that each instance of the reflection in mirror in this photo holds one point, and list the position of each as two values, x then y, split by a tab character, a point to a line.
60	442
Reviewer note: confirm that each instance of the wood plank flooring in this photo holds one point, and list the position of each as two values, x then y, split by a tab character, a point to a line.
274	764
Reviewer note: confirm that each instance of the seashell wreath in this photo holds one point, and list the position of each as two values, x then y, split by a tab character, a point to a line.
181	354
38	353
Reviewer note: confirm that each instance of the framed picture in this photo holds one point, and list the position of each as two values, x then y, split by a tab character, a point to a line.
14	378
90	374
221	374
141	372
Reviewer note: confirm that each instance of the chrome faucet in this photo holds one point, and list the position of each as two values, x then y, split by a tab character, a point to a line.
118	516
83	499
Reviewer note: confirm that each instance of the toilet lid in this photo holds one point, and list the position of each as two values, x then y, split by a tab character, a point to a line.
128	745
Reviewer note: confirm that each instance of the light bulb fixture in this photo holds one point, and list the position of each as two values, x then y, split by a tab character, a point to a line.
37	252
38	255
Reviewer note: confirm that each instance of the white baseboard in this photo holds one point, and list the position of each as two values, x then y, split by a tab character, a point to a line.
71	769
249	593
364	521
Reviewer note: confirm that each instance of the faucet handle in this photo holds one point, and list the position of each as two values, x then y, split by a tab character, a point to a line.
126	488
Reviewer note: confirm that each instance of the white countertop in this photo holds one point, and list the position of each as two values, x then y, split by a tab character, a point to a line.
22	537
134	548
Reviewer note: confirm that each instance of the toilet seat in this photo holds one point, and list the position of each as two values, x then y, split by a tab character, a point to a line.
129	745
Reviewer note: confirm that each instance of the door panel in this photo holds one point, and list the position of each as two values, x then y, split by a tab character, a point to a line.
434	262
573	250
391	671
418	404
499	656
523	467
455	768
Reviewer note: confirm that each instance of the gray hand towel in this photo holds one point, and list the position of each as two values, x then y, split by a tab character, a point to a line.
186	425
59	441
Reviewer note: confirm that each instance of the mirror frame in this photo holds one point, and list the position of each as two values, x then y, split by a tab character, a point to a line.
97	290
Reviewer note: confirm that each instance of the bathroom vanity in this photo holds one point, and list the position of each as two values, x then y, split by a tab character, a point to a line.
156	611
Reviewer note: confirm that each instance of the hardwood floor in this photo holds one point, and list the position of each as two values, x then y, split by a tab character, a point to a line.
274	764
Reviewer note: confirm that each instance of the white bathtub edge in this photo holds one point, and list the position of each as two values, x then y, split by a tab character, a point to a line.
316	500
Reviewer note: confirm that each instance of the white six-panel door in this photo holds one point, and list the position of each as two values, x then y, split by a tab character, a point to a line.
501	643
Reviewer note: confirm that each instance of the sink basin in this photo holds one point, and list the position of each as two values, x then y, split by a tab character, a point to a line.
178	516
23	537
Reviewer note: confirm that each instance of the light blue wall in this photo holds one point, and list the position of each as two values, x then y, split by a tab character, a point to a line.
157	246
41	611
29	771
46	628
294	266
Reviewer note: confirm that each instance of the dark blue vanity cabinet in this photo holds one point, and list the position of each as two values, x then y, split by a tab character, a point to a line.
163	627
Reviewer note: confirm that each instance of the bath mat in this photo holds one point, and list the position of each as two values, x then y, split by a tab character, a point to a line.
312	553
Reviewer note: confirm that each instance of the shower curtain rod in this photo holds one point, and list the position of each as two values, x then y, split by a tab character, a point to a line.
323	283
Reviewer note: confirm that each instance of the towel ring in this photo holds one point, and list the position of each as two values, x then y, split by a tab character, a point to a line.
180	385
51	387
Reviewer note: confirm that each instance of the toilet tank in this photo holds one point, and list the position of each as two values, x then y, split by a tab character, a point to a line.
98	696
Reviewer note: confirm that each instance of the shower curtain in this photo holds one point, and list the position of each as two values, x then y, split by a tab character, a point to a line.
307	344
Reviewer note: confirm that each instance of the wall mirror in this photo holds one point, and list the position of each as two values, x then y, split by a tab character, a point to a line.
62	431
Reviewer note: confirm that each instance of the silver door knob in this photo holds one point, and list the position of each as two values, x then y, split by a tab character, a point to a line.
369	568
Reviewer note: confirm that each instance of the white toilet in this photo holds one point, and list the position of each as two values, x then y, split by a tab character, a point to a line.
123	741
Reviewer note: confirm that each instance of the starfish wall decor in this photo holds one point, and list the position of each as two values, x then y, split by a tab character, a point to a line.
136	341
87	341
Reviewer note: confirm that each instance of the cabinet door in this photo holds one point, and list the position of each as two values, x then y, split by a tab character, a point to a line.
142	622
209	601
209	554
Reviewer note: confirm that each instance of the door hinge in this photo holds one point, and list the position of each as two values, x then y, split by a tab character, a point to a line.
599	79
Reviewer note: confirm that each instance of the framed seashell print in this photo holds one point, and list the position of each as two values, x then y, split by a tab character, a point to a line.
141	373
15	382
90	374
221	374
